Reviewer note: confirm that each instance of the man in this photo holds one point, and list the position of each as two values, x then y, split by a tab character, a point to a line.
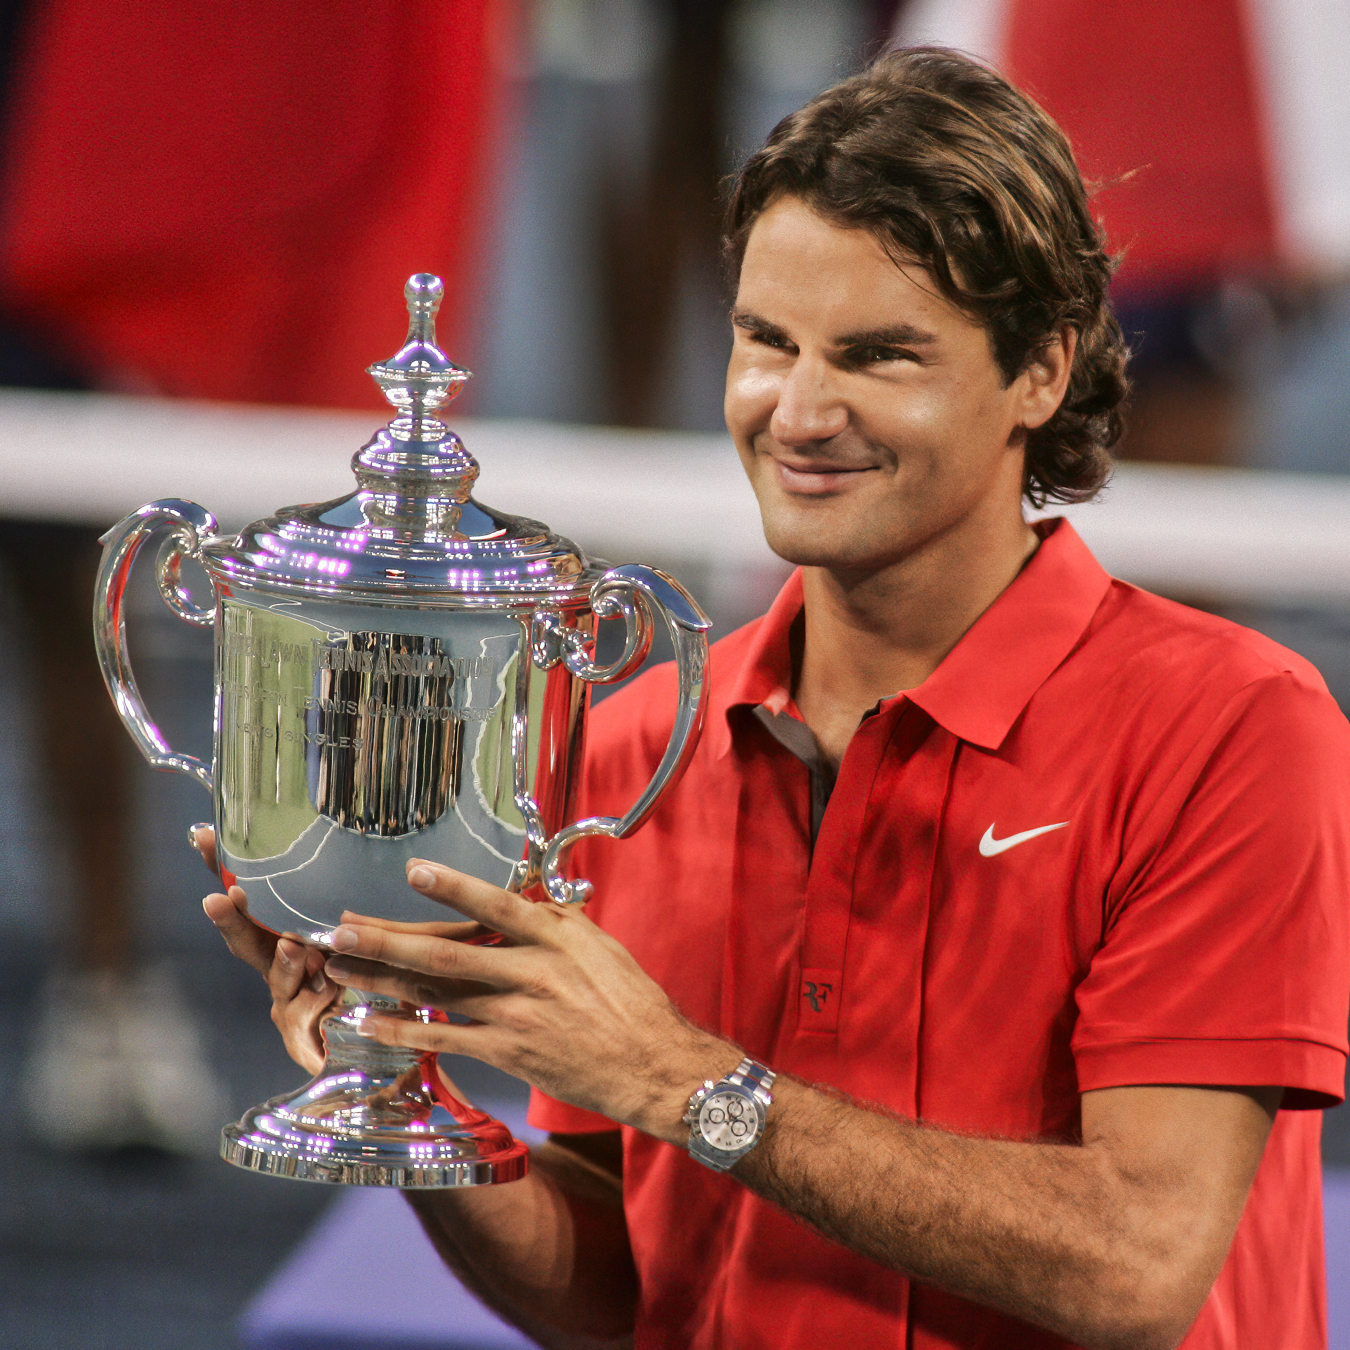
1027	886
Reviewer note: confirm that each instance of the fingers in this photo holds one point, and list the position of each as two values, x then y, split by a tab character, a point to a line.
423	991
289	971
319	983
245	939
441	1038
499	910
455	932
301	993
301	997
203	839
424	954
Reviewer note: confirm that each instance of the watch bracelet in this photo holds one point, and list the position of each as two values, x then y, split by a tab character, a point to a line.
758	1077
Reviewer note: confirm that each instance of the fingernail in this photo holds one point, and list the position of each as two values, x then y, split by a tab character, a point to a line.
318	983
421	878
366	1027
337	967
283	956
344	938
192	832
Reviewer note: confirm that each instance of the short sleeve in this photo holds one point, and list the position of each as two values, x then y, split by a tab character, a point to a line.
1226	951
546	1113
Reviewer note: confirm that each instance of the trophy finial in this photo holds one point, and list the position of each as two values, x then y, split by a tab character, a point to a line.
420	377
423	294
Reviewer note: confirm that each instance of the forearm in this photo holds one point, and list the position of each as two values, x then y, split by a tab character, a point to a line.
1026	1228
549	1253
1113	1243
1060	1235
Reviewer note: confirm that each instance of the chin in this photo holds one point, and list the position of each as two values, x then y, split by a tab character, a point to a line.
804	544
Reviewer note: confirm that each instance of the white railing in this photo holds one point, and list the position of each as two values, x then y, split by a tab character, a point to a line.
1226	534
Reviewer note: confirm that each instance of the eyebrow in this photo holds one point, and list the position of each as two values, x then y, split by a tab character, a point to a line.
742	318
893	335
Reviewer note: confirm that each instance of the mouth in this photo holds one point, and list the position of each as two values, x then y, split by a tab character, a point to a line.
819	480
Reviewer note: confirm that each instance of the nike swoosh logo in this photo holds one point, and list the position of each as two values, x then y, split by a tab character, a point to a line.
991	847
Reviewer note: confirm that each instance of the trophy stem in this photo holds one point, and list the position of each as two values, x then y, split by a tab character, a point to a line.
375	1115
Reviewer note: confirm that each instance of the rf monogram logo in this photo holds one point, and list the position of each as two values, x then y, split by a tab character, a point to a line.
822	993
816	994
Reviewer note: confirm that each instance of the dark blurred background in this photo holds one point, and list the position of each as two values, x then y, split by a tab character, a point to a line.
206	202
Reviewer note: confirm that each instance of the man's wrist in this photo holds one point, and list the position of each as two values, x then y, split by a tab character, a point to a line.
680	1075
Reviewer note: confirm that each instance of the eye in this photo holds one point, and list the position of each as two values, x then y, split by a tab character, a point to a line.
768	339
876	355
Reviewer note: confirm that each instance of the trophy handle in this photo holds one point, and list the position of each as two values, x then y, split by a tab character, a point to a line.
120	546
629	592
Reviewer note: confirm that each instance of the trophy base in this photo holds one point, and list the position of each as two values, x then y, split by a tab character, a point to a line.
375	1115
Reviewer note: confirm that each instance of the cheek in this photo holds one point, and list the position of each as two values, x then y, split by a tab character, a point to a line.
956	421
916	422
752	395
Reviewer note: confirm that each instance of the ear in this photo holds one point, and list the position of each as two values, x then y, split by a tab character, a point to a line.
1046	379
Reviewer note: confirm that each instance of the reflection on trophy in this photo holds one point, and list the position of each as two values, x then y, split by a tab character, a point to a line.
400	673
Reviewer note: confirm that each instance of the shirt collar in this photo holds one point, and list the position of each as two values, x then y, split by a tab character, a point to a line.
989	677
986	680
765	674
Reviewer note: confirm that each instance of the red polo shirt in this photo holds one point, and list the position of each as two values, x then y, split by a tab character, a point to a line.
1106	842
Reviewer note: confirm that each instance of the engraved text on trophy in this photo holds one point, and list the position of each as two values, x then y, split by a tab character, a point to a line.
366	729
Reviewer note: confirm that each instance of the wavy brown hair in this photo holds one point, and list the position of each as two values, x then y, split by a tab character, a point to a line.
953	168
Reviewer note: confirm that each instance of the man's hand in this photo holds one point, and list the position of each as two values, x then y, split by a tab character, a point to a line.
301	994
560	1003
549	1252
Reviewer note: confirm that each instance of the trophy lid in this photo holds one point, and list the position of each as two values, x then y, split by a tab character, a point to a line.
411	529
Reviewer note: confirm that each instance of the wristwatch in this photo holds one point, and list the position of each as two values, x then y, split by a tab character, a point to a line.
726	1119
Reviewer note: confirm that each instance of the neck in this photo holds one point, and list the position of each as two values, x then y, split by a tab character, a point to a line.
871	634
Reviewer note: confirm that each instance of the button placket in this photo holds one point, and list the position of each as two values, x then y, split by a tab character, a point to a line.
773	791
830	882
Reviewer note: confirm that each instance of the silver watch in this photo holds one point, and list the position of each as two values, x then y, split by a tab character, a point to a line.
726	1119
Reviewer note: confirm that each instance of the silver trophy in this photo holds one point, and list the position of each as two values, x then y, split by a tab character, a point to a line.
400	673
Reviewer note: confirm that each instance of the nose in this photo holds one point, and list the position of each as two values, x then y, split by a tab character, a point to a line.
810	407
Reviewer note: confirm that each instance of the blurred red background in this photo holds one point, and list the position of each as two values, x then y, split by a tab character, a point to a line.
221	200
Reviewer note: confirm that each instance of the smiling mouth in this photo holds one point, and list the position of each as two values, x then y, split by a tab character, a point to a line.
819	481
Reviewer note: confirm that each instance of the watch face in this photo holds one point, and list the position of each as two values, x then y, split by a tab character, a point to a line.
728	1121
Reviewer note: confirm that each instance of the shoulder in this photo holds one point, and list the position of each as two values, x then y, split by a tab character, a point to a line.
1183	696
1143	647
